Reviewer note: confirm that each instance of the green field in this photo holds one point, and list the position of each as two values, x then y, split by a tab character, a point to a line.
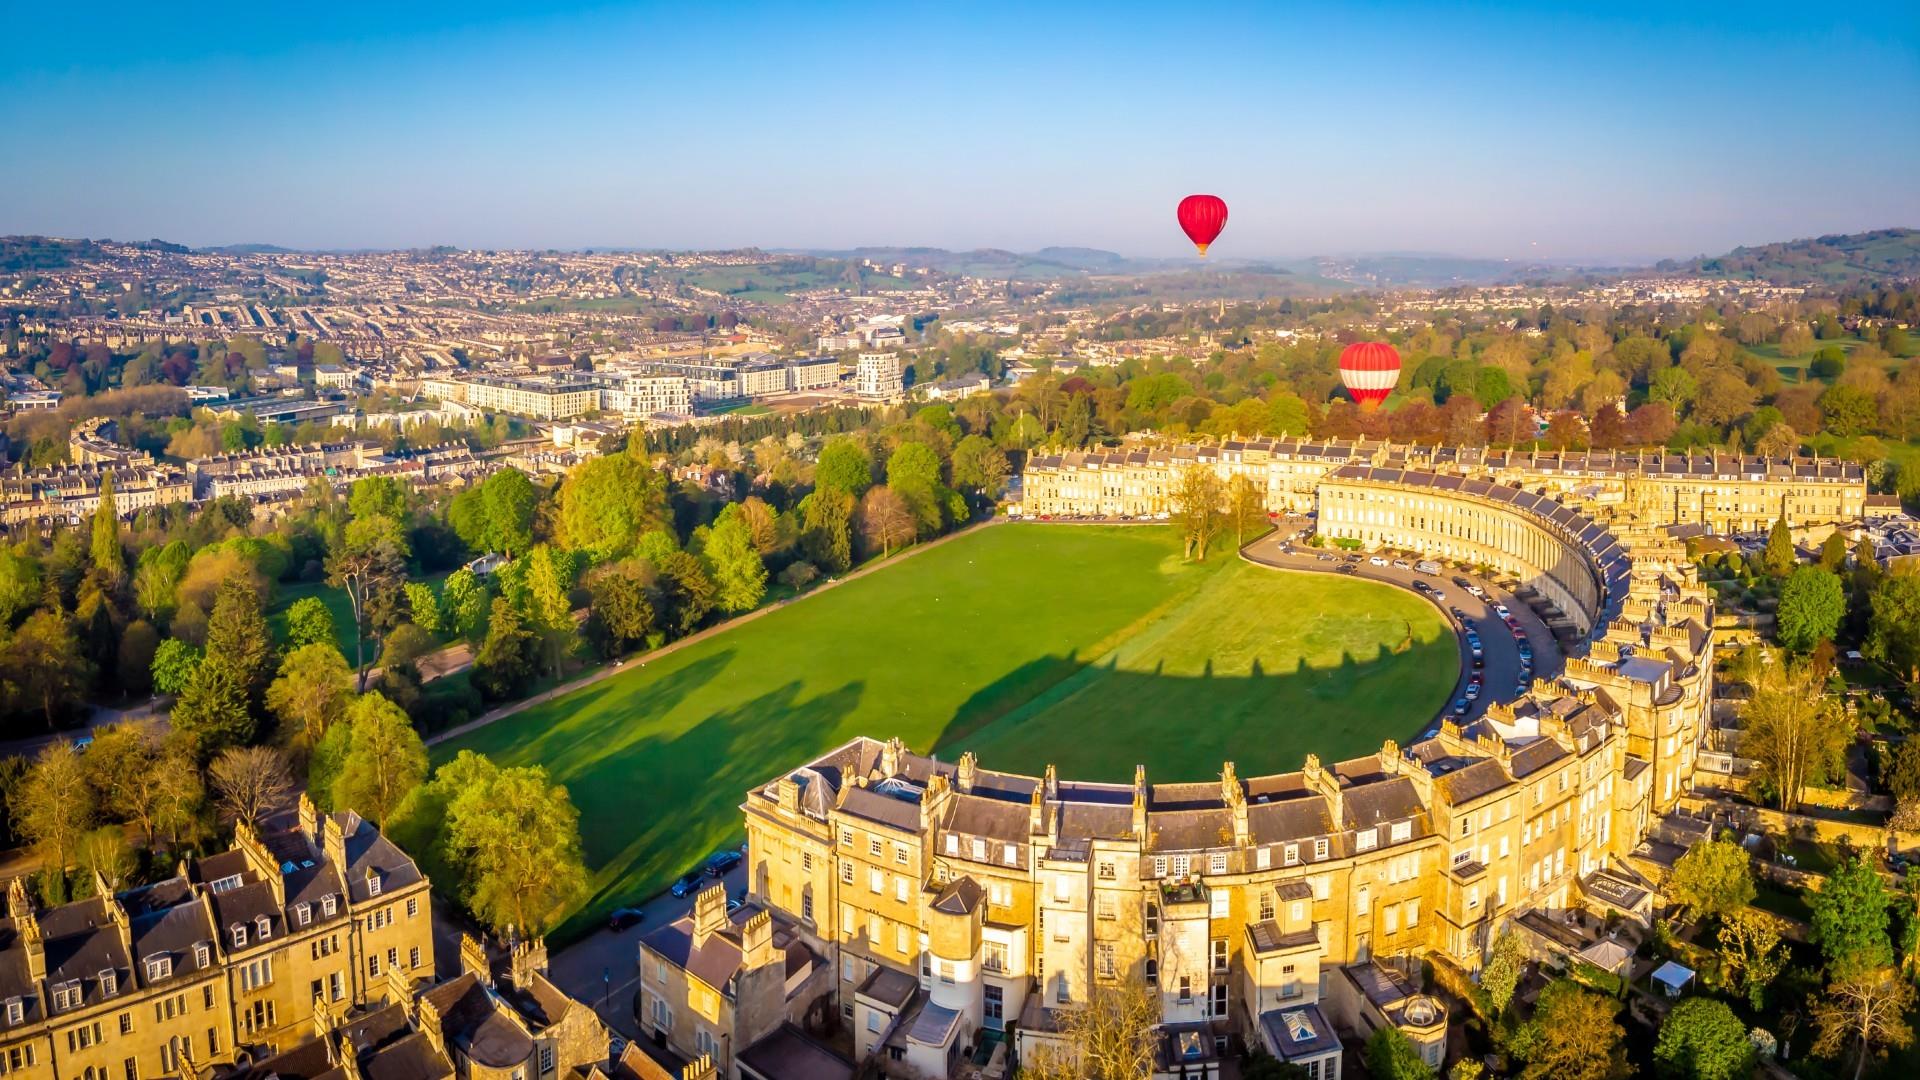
1090	647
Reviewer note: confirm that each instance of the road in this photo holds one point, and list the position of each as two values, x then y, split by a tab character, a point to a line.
1499	647
603	967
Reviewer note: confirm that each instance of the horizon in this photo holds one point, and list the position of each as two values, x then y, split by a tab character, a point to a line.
1609	136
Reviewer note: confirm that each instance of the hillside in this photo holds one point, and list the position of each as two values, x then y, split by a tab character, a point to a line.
1883	254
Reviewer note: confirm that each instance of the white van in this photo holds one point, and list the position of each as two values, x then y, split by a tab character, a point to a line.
1428	566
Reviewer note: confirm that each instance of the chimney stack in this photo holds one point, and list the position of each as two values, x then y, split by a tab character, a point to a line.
709	914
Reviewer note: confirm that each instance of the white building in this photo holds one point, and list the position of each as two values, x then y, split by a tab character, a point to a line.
881	375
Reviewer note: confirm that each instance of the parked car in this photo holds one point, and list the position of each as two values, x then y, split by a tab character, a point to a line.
1460	706
1463	582
1501	610
688	884
1473	691
1377	561
621	918
722	862
1402	564
1422	587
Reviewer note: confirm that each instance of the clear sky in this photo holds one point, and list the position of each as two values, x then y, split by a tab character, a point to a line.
1515	130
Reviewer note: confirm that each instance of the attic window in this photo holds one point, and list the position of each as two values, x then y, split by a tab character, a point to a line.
303	912
16	1010
109	983
326	904
67	995
373	883
261	927
225	884
1402	830
239	936
159	966
202	954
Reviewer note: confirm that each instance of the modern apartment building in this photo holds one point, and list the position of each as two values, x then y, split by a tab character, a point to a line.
234	953
880	375
1726	492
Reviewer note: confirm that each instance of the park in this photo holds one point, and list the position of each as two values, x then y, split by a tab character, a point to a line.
1092	648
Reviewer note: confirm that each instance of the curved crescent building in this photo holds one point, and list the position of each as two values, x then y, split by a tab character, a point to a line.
964	913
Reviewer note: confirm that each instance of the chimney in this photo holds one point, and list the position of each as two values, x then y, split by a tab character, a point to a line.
1390	757
309	820
1139	802
709	914
1327	786
756	941
964	776
1236	801
19	904
890	757
789	794
700	1068
349	1062
1036	814
525	959
333	844
473	959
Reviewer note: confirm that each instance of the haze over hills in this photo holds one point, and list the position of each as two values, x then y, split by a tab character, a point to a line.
1882	254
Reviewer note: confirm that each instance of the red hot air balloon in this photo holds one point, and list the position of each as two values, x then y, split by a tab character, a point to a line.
1202	217
1370	369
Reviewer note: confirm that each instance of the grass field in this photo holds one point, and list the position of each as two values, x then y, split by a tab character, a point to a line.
1090	647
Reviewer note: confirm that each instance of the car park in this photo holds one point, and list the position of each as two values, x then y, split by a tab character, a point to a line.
688	884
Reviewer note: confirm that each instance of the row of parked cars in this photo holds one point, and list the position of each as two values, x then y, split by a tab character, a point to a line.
689	883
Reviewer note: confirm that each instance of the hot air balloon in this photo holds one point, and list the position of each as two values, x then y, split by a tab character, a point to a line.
1202	217
1370	370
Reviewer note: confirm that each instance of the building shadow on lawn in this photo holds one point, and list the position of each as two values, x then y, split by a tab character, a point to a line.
658	806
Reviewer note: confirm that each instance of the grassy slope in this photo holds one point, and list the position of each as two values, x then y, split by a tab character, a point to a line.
937	651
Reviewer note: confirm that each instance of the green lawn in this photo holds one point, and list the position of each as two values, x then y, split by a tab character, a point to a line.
1090	647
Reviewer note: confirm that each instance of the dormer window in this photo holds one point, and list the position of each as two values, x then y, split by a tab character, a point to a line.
262	927
303	913
373	883
326	904
239	936
202	954
159	967
16	1010
225	884
67	995
109	983
1320	848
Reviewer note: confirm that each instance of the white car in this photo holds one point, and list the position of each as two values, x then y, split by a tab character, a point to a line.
1501	610
1377	561
1402	564
1477	591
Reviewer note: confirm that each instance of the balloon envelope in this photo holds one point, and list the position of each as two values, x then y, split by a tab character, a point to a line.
1201	218
1370	370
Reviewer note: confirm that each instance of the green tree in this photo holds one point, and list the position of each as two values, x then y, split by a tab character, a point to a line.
1791	730
239	640
1833	552
1713	878
1701	1039
979	466
827	533
620	614
384	761
378	496
497	515
1572	1036
1812	604
423	607
1390	1055
108	560
1673	386
1850	919
369	563
739	577
1750	952
43	666
687	594
309	622
607	502
213	709
1500	975
1779	557
174	663
54	806
844	467
463	604
1893	628
1287	413
134	664
505	664
549	607
20	587
1196	502
314	686
515	838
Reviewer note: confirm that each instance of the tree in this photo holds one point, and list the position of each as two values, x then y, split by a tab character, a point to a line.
1701	1039
885	520
1111	1036
108	560
463	604
1390	1055
771	532
1791	730
251	783
309	622
549	604
378	497
1903	772
1713	878
105	855
505	663
1500	975
20	587
385	759
1260	1065
239	640
1833	552
980	466
54	806
44	666
1750	952
913	473
496	515
369	563
1811	607
121	767
515	838
844	467
312	689
1196	507
1779	557
827	529
423	607
1893	629
1572	1036
1245	507
1867	1009
1850	920
213	709
174	663
619	611
739	576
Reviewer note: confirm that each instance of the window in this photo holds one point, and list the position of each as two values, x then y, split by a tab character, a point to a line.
413	957
846	872
1262	858
258	973
953	844
1182	865
1153	919
806	861
126	1023
16	1010
1103	906
302	913
413	906
1219	999
873	847
1217	863
1320	848
873	1020
900	889
1105	872
1218	950
979	850
1186	989
239	936
1103	960
132	1068
158	967
373	883
326	905
900	854
1266	905
546	1058
373	964
876	881
1010	854
67	995
806	903
846	837
1290	855
994	957
261	927
1365	839
1159	866
109	983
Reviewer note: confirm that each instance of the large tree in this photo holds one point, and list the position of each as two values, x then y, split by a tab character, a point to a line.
108	560
1750	952
845	467
44	668
497	514
309	622
1390	1055
1500	975
369	563
1713	878
1893	630
620	613
251	783
1865	1010
1779	556
515	839
1195	501
1246	507
385	759
739	577
1850	918
1110	1036
239	640
506	661
213	709
827	529
1812	604
1572	1036
1702	1039
314	686
53	807
886	520
1791	730
607	502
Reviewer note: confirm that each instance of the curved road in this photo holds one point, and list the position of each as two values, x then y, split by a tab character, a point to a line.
1284	549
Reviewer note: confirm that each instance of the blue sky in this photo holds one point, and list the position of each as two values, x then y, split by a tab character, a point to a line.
1554	131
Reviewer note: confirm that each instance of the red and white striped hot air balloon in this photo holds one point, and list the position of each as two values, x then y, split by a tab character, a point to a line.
1370	370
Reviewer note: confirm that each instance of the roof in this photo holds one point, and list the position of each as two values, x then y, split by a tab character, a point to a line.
786	1053
480	1026
889	987
1299	1033
935	1026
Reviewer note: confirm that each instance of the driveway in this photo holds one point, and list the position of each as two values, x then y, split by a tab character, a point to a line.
1499	646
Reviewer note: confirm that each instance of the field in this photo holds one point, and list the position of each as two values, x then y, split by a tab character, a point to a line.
1093	648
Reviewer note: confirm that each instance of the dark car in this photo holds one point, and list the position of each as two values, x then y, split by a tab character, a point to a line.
722	862
1421	586
1460	706
624	917
688	884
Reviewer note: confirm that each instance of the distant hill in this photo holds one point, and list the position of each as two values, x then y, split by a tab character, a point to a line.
248	249
1826	260
22	253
